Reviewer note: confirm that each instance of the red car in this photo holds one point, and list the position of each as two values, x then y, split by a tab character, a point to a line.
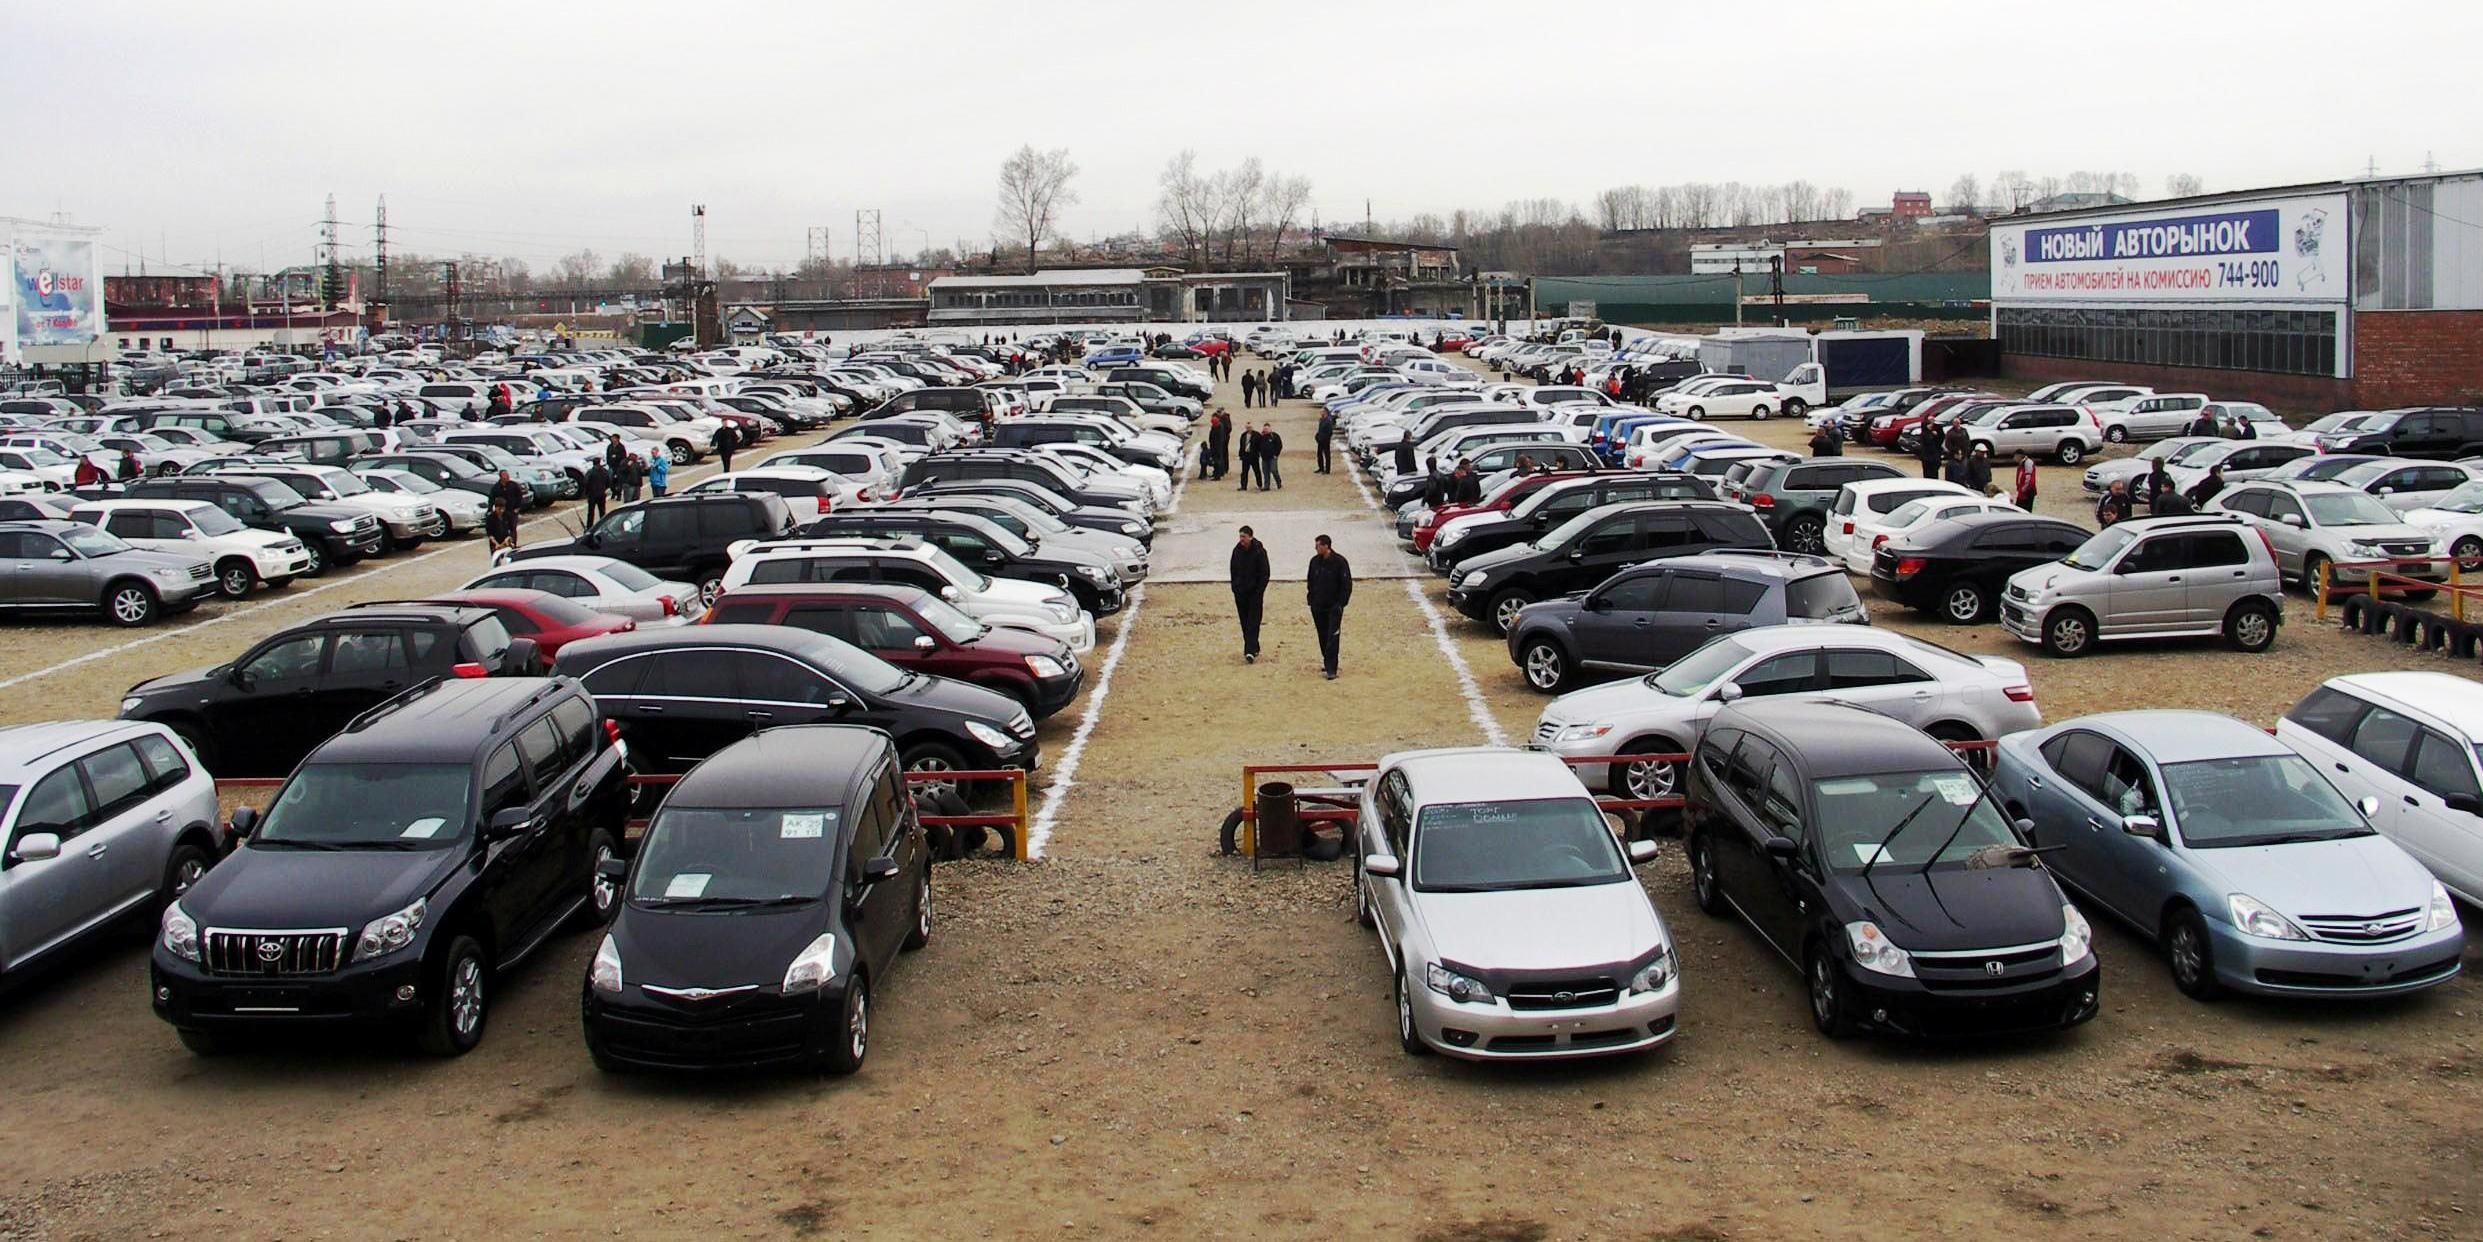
1210	346
1500	501
551	620
914	629
1454	341
1883	429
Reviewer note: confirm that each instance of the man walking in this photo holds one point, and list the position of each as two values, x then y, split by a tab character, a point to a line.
1270	444
1250	458
1249	577
1927	449
1250	389
1320	438
1405	454
1330	587
2024	493
724	443
1220	440
598	484
659	472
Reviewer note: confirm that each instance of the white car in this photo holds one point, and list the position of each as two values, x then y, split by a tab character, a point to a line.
875	472
407	519
2064	433
1872	531
1506	909
2406	485
1011	602
55	470
2100	477
1860	509
1094	463
2241	459
601	583
2150	417
811	493
2409	741
243	558
2456	521
464	510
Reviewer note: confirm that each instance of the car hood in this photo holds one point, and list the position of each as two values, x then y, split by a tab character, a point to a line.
2358	875
2390	532
942	694
1609	701
272	888
1541	929
321	511
1497	558
1019	595
1953	908
714	949
1004	640
148	558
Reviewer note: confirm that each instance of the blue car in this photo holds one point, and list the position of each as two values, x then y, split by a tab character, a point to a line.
2231	851
1117	356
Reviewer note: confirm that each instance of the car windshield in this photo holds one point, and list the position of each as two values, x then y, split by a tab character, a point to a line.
1694	672
343	482
2256	800
955	570
738	856
43	456
212	521
2099	550
2468	498
88	541
1907	820
2192	452
2349	509
1482	847
368	806
1909	513
630	577
407	481
945	617
1568	530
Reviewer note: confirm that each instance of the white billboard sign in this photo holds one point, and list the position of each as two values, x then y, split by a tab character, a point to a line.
2271	250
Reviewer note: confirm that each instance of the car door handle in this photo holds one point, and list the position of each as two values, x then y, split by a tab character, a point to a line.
757	715
2411	800
2094	823
96	850
2341	767
165	814
2034	782
650	709
2174	578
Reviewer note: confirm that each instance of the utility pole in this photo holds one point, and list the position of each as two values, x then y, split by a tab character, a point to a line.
379	253
331	275
1776	285
1737	293
698	237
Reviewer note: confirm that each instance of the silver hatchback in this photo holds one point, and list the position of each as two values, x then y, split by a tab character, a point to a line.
2152	578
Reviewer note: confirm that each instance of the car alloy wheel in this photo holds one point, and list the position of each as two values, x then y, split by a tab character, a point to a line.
2469	553
235	580
1407	1037
858	1021
708	589
1696	412
132	605
1758	413
1506	608
920	934
1963	604
1808	535
2253	629
603	889
1703	876
2071	453
2117	434
1545	669
2067	633
680	453
935	762
1828	1010
1651	778
2191	956
186	870
465	997
318	554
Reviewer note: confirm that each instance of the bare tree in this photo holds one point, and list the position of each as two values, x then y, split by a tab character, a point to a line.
1237	200
1965	194
576	270
1034	187
1836	204
1182	209
631	271
2182	185
1801	200
2012	187
1281	202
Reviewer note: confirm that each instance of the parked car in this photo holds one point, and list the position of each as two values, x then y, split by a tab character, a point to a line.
52	566
1952	696
1585	550
2230	851
261	713
1025	467
1029	522
676	537
1647	616
809	493
2411	740
404	521
2065	434
776	886
600	583
2129	471
1092	577
1114	520
1957	567
1462	848
2312	527
2438	433
448	472
408	865
917	630
1549	505
462	511
1860	510
2151	578
2405	485
1795	498
334	535
1794	808
117	819
1045	609
549	621
2455	521
873	472
2150	417
2242	460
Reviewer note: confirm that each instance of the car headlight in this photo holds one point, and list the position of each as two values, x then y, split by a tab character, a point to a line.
180	933
390	932
1455	986
1133	528
2257	918
1655	975
2443	911
341	525
605	974
132	703
1450	537
1873	952
1474	578
989	736
813	966
171	573
1581	732
1061	611
2077	939
1044	666
2367	549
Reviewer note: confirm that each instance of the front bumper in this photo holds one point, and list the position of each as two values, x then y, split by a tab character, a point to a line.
1079	633
360	993
2323	968
2020	619
1474	604
282	564
739	1031
1907	1007
1496	1032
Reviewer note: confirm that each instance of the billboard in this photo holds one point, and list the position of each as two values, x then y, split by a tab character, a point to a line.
57	289
2272	250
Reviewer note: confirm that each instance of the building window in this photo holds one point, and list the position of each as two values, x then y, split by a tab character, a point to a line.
2284	342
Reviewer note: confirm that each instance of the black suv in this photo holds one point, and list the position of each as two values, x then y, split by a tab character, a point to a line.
412	858
1026	467
2439	433
335	535
258	715
1871	854
1959	567
680	695
1591	547
984	545
774	890
1114	520
1650	615
1794	497
686	538
1554	503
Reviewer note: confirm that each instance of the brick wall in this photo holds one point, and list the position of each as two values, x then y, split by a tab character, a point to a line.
2286	394
2418	357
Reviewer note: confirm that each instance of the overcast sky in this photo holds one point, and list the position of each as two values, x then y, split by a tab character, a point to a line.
533	128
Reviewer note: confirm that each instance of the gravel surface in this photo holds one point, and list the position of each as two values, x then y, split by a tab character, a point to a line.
1137	1036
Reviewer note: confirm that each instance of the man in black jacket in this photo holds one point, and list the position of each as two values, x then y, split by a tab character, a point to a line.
1326	432
1465	487
2205	425
1249	576
1826	443
1330	586
1249	449
724	443
1405	454
1270	444
1927	449
598	485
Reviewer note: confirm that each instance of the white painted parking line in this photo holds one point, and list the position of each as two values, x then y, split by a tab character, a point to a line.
1476	709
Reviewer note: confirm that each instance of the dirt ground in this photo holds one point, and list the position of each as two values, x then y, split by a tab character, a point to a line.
1135	1036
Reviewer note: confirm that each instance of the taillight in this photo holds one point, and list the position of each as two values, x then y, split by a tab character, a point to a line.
468	670
2020	694
671	607
1762	500
2263	542
612	731
1908	566
1849	529
1877	540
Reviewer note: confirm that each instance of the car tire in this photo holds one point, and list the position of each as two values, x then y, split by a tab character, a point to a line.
1795	407
679	451
203	1043
710	585
1807	534
1704	888
1695	413
1832	1011
1545	665
920	933
2191	954
1964	603
603	897
277	584
2070	453
2314	568
1505	606
1758	413
130	604
317	550
452	1024
189	861
235	577
1363	913
2116	434
195	737
2068	633
935	757
2251	626
1407	1038
2469	553
853	1027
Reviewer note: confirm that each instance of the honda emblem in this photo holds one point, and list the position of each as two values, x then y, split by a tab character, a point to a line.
1993	968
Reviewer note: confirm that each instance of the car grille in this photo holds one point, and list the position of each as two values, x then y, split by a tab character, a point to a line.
2362	928
365	525
262	953
2020	593
2404	547
1022	725
2324	979
1973	969
1545	731
1563	993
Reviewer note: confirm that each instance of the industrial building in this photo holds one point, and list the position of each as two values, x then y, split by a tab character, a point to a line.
2356	294
1108	295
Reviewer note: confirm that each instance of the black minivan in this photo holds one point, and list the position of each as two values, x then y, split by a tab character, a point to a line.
682	538
411	860
1867	852
1593	546
774	889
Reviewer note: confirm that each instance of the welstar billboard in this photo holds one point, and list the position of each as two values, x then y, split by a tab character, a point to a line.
2274	250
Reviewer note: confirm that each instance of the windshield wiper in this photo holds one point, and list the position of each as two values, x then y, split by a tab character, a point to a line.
1964	813
1880	851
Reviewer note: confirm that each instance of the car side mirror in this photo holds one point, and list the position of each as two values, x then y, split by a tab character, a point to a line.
1380	865
2368	804
509	823
2292	519
949	593
1729	692
1641	852
1599	603
839	703
2025	828
2143	826
2463	804
613	869
242	679
875	870
36	847
926	644
1781	847
245	820
61	554
523	657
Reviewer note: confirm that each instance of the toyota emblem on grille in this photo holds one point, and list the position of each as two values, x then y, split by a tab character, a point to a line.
1992	968
696	994
1564	997
270	950
2374	929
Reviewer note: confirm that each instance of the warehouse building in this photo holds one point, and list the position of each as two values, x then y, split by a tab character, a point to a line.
2362	294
